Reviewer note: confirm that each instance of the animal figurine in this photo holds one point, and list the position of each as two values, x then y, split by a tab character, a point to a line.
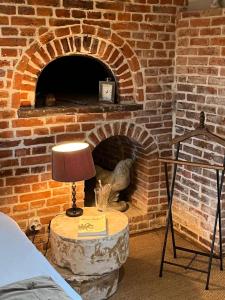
119	179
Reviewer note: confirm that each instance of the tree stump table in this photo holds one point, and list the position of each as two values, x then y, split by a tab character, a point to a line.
91	263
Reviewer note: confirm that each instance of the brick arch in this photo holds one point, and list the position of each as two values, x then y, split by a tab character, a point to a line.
135	133
147	167
97	42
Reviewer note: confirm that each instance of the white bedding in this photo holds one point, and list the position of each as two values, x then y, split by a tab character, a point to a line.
19	258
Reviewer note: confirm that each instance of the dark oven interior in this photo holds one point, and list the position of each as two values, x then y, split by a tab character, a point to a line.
70	80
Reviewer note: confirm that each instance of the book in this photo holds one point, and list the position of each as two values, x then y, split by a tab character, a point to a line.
92	225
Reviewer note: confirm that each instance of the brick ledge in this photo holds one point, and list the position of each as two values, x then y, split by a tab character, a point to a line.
140	221
28	112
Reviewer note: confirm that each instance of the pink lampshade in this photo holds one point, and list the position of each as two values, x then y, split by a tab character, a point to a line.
72	162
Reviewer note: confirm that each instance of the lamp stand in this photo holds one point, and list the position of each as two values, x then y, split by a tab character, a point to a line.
74	211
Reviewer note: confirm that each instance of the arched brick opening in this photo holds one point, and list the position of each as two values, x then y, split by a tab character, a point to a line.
99	43
146	194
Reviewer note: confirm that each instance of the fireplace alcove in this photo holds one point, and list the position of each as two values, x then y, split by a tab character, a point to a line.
70	84
71	80
106	155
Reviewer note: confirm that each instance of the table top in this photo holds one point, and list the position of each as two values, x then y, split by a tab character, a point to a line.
66	227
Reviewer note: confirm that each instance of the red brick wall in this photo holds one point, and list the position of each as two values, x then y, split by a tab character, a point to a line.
136	40
200	79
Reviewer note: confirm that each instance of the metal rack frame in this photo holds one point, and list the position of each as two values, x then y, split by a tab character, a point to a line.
201	130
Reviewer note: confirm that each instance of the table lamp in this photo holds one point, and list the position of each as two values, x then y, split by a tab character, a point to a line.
72	162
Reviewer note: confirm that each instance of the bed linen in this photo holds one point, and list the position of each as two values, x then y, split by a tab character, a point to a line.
36	288
20	259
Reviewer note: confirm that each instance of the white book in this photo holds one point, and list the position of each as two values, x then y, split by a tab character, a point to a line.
92	225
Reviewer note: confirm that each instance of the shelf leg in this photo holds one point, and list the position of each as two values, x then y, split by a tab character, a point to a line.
219	190
169	222
169	197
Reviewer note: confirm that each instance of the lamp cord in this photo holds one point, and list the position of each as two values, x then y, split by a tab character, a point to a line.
34	235
49	227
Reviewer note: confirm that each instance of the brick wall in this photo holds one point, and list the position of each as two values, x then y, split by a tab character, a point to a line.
136	39
200	76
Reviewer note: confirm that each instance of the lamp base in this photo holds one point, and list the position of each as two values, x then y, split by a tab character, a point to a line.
74	212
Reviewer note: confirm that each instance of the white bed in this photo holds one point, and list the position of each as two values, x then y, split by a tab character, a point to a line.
19	258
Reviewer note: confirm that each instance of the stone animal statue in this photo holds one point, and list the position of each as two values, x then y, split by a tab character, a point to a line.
119	179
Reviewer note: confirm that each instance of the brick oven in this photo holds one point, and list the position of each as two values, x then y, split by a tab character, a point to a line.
134	43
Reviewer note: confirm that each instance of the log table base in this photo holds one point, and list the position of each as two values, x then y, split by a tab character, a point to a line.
90	264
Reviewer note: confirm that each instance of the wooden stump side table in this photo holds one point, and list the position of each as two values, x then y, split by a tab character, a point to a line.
90	264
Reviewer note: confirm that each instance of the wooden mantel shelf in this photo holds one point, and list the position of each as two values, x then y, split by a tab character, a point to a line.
29	112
